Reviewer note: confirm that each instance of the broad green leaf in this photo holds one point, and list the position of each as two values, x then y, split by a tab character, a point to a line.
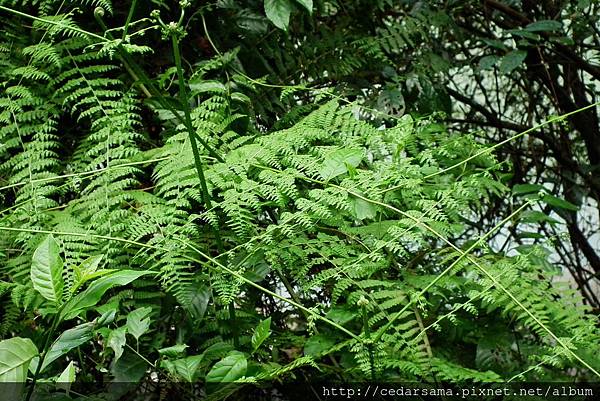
559	203
278	12
336	161
174	350
196	300
378	229
258	271
66	377
340	315
15	356
240	97
228	369
117	340
362	209
204	86
583	4
217	351
262	331
185	368
391	101
563	40
437	63
544	25
47	269
107	316
512	60
487	62
67	341
254	265
498	44
308	4
250	21
88	270
529	234
130	368
89	266
318	344
522	189
538	255
91	295
524	34
530	249
165	77
138	322
535	216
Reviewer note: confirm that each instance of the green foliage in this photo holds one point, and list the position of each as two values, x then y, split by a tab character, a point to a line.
261	333
46	271
244	231
228	369
16	354
278	11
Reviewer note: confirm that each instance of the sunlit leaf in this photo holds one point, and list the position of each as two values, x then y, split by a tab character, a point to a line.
15	356
336	162
362	209
91	295
66	378
88	270
174	350
47	270
522	189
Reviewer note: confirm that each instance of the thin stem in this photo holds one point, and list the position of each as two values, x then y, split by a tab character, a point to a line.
66	27
98	13
129	17
183	98
137	352
369	343
139	74
55	323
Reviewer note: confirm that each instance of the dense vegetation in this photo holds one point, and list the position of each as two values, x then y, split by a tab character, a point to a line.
280	191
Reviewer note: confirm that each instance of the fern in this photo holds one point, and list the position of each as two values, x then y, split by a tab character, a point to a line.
332	234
